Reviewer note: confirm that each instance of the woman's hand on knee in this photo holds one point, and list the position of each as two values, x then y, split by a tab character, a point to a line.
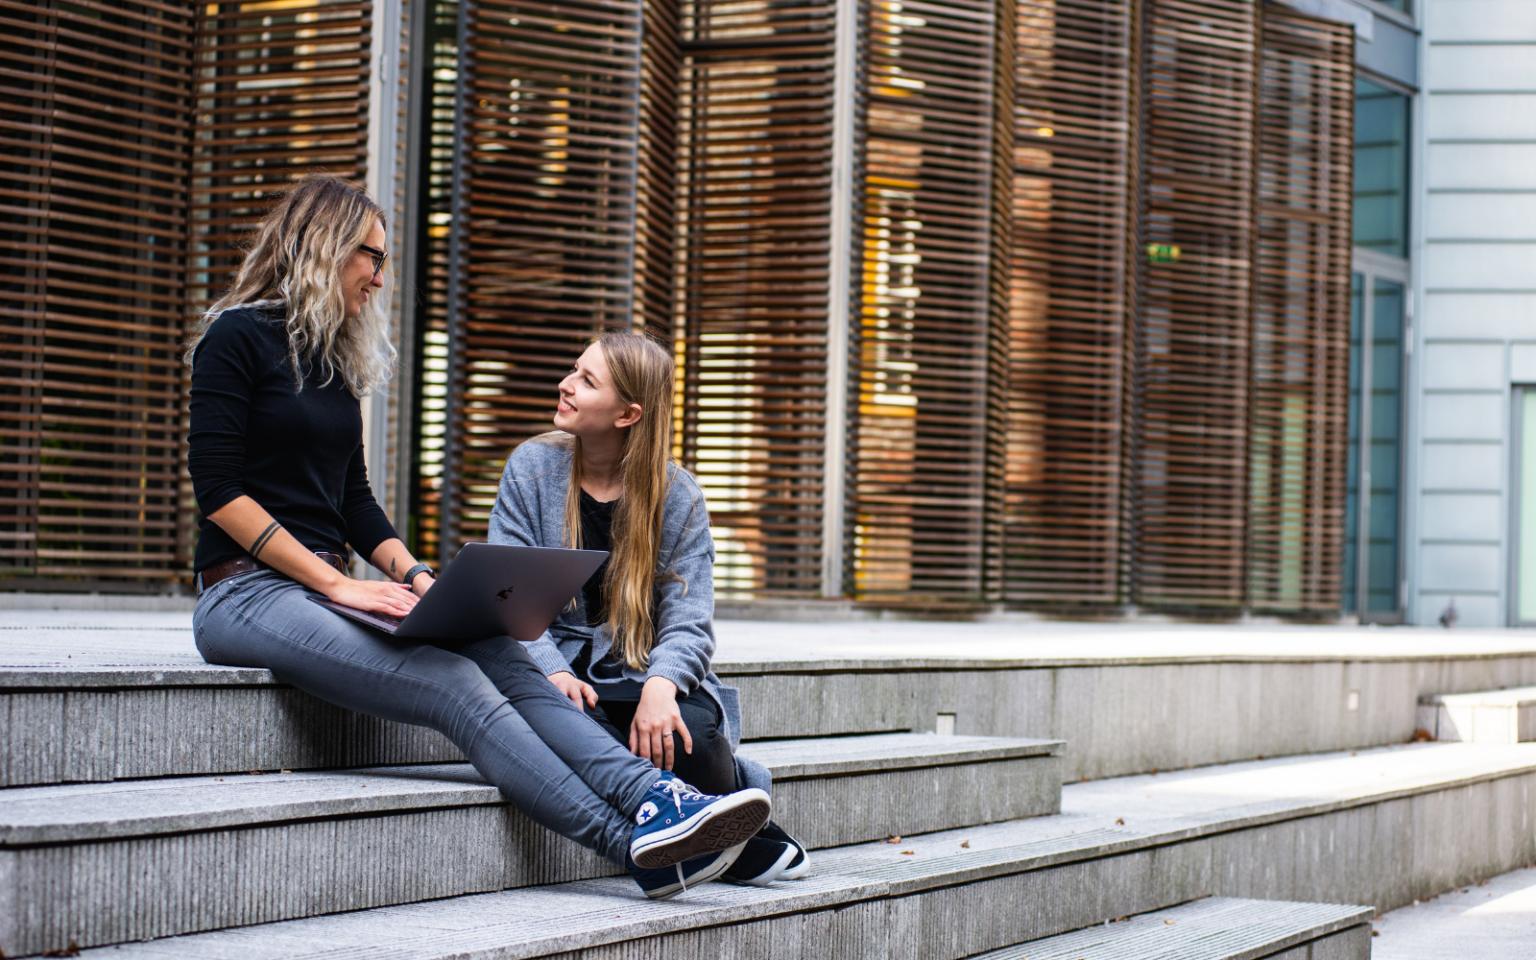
656	719
574	688
375	596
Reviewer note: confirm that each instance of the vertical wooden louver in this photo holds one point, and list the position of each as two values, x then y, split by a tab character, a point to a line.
918	481
1196	222
547	213
1300	312
755	171
1067	315
282	91
97	111
433	376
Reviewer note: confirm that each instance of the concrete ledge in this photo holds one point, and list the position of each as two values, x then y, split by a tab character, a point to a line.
77	813
1489	716
86	698
1216	928
121	861
1382	828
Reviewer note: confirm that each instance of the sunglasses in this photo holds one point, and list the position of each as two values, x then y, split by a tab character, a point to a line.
379	256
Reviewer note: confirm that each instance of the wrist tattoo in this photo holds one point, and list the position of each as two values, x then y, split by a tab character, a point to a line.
261	541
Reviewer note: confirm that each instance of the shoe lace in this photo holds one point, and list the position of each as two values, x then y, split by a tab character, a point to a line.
679	790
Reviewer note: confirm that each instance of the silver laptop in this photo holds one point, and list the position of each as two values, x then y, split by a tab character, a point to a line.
489	590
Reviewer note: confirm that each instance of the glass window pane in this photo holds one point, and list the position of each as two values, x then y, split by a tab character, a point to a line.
1381	169
1352	464
1525	590
1385	446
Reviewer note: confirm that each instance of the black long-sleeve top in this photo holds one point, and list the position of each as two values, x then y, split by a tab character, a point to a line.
297	453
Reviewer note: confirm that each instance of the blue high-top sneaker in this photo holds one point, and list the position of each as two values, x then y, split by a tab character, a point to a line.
668	882
676	822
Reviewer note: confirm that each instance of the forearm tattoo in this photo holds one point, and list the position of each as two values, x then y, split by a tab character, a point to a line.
261	541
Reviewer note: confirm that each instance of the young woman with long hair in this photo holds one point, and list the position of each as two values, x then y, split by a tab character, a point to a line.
634	648
277	466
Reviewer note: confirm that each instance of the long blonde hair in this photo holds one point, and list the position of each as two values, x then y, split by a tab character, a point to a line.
642	373
302	247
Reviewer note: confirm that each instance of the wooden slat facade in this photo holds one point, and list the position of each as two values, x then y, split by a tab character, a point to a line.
1099	251
1067	345
1300	313
281	92
1189	493
755	196
919	479
95	116
546	213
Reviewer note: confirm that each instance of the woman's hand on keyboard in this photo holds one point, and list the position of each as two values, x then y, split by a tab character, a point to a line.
374	596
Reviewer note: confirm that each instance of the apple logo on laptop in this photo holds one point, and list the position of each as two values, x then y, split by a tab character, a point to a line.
504	594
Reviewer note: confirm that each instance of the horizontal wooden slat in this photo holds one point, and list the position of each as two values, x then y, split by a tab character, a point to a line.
94	220
1301	313
755	147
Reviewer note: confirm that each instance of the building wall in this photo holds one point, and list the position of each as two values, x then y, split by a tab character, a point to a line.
1477	279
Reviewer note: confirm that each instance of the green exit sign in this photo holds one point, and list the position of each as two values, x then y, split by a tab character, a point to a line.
1162	253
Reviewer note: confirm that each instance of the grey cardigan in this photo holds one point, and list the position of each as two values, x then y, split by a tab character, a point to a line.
530	511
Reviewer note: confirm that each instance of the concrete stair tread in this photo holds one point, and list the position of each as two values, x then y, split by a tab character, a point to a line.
1216	928
1105	820
1511	697
92	649
828	756
135	808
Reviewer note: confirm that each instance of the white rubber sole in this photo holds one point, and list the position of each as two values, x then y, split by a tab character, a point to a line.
774	872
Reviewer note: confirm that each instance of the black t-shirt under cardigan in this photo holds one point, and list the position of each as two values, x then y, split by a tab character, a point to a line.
297	453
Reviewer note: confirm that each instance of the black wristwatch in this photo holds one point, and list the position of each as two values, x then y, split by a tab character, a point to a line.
410	575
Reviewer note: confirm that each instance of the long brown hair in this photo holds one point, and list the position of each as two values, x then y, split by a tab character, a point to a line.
300	251
642	372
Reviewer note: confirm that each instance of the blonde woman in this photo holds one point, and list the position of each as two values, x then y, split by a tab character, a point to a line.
277	466
634	649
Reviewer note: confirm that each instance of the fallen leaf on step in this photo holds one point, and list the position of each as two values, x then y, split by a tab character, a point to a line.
1375	933
1168	922
287	771
255	773
908	853
1120	821
967	844
893	839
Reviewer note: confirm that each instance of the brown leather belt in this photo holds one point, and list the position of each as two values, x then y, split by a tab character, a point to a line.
229	568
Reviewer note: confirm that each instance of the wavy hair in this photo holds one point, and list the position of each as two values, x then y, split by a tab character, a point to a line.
642	372
297	259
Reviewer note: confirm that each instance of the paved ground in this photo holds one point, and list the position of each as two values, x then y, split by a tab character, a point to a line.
1492	921
38	638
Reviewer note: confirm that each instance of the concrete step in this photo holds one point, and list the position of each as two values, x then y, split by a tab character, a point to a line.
104	863
1216	928
1383	827
101	696
1487	716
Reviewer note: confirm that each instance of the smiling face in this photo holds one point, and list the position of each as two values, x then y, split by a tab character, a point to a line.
590	407
358	279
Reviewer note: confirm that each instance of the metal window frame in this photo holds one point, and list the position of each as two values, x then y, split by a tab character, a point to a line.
1516	455
1372	265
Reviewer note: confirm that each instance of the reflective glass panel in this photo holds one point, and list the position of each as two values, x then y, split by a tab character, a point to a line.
1385	453
1381	169
1352	468
1525	590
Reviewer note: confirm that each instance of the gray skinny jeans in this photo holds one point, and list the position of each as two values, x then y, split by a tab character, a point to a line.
548	759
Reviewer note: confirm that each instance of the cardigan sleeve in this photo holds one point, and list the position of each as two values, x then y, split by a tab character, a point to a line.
514	521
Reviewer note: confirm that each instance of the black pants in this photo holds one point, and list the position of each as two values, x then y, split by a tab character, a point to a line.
711	767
